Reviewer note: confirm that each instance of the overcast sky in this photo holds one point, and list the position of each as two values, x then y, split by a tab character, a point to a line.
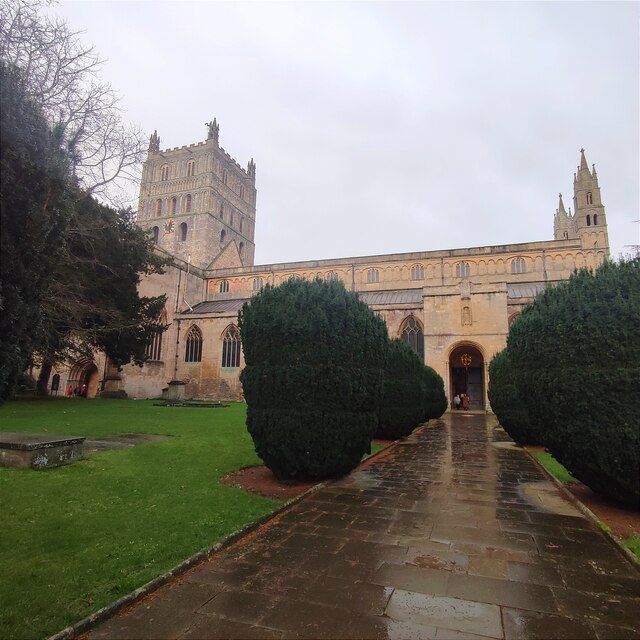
390	127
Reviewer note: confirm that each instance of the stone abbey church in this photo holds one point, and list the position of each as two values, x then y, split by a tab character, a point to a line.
453	306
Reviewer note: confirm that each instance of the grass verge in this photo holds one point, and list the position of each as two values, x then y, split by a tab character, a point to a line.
633	544
553	467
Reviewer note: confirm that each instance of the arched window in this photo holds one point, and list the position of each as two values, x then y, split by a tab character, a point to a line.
154	348
595	219
242	192
221	211
164	172
224	286
373	275
588	220
413	336
158	207
518	265
183	232
187	203
55	382
223	233
463	269
565	235
331	276
589	198
174	206
417	272
191	168
231	347
193	350
156	234
258	283
241	248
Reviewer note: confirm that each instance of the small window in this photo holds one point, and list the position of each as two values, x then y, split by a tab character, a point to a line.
417	272
164	172
187	203
258	284
331	276
588	220
231	348
589	198
518	265
158	207
174	206
183	232
191	168
193	350
221	211
223	233
595	219
224	286
373	275
241	248
463	269
156	234
565	235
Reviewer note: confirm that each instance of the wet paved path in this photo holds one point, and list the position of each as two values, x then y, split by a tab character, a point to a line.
454	534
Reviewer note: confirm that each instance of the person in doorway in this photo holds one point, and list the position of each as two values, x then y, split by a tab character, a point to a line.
69	391
456	401
83	391
465	401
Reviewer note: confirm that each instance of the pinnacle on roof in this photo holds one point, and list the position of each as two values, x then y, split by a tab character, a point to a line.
561	205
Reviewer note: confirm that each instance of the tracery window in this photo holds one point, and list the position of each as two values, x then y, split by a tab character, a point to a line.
187	203
183	232
417	272
191	168
231	347
193	350
463	269
518	265
412	334
164	172
156	234
373	275
224	286
258	284
154	348
331	276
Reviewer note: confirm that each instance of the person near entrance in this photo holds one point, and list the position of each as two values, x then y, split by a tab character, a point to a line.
456	401
465	401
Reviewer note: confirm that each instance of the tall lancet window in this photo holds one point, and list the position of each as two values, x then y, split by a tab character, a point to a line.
412	334
193	350
231	347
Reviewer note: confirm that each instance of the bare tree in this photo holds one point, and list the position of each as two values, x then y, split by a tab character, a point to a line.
62	75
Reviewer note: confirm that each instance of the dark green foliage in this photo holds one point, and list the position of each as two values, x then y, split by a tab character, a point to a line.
401	410
507	403
314	358
435	400
33	197
576	356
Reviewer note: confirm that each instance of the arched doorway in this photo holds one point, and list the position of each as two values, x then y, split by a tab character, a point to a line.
85	372
466	368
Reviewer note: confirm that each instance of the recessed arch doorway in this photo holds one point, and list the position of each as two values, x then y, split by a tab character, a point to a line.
466	374
83	372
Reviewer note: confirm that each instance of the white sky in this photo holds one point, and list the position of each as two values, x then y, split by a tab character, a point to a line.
390	127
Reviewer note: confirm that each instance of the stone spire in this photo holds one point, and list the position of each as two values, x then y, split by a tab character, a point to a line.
154	142
561	208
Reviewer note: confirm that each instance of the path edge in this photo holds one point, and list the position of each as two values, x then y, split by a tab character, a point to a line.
627	553
86	624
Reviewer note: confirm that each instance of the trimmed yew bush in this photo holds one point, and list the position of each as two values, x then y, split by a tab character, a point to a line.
401	410
575	355
314	358
434	399
507	403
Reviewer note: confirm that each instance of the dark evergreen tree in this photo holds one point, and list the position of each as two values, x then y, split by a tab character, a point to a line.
401	410
506	402
575	354
33	210
313	378
434	399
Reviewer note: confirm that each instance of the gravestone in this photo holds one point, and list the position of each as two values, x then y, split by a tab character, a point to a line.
23	450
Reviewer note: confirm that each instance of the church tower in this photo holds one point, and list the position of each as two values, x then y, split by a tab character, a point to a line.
589	216
199	203
564	227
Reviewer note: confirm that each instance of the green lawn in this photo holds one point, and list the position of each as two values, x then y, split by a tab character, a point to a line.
77	537
553	466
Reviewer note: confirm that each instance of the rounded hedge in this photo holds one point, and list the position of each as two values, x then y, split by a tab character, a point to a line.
401	409
434	398
314	358
507	403
575	353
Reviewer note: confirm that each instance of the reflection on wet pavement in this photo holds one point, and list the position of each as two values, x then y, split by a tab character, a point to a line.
453	534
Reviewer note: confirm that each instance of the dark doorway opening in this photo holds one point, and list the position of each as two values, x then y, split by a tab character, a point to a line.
466	365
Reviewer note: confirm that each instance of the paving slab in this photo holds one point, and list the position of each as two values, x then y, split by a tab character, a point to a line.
453	534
